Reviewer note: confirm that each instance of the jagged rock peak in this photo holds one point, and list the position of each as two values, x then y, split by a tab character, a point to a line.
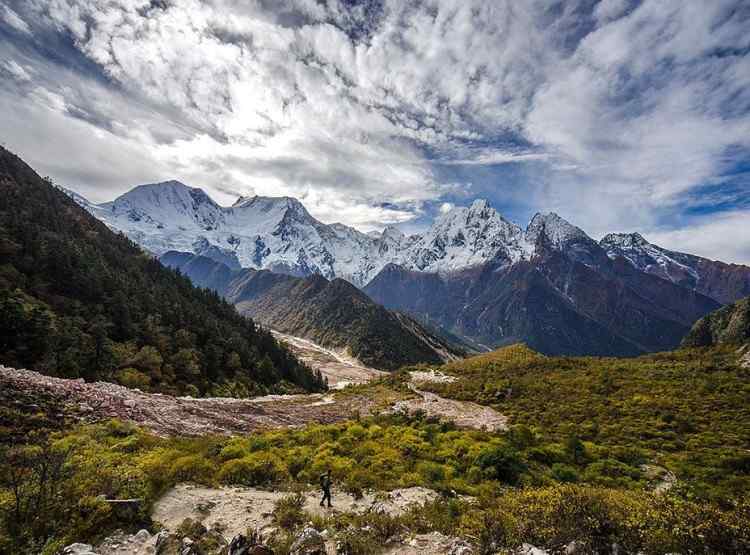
557	229
393	233
623	240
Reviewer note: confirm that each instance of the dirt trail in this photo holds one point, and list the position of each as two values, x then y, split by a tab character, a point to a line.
464	413
234	510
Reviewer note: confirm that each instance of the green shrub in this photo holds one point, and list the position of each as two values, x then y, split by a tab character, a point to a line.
564	473
501	463
253	470
431	473
288	512
191	468
130	377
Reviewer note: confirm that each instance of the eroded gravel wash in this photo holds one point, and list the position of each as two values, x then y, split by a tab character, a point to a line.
168	415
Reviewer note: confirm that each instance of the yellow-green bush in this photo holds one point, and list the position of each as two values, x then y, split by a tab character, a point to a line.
253	470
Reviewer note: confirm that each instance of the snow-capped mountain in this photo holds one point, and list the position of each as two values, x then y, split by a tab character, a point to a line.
723	282
258	232
674	266
473	272
280	235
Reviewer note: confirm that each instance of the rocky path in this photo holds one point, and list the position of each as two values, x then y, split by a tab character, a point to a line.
464	413
229	511
234	510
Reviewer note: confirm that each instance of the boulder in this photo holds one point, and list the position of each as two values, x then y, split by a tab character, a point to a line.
308	542
240	545
460	547
576	547
142	536
528	549
79	549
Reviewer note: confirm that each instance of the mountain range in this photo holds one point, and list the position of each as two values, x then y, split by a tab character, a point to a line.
473	273
334	314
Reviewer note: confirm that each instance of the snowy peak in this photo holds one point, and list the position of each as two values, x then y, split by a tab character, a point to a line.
166	194
647	257
165	204
466	236
623	241
279	234
392	234
558	230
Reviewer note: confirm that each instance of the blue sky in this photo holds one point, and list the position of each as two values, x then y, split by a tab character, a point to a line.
620	115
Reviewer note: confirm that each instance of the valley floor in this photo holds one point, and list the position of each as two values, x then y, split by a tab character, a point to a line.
188	416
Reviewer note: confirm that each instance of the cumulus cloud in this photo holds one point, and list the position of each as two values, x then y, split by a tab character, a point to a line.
446	207
619	109
718	237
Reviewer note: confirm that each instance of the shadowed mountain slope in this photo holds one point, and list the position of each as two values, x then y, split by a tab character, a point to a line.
333	313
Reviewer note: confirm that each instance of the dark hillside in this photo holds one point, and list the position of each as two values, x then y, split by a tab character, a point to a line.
77	300
334	313
728	325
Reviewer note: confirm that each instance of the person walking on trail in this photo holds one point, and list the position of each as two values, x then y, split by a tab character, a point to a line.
325	485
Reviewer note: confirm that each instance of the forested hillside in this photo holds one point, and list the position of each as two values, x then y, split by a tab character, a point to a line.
333	313
729	324
77	300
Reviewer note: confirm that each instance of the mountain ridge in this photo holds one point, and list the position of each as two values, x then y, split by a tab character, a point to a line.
473	273
333	313
279	234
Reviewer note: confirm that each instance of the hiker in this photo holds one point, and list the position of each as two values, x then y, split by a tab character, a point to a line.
325	485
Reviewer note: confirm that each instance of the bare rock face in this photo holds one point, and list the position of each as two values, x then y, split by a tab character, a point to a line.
309	542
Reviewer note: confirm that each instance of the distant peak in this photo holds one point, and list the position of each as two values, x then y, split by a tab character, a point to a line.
550	218
170	184
393	232
556	228
241	200
627	240
479	205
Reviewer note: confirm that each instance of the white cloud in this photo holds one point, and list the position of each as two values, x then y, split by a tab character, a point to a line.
717	237
446	207
16	70
620	112
13	19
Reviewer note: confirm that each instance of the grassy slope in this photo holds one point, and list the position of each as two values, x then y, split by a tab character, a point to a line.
686	410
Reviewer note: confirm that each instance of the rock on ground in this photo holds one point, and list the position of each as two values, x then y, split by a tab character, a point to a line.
308	542
79	549
433	543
